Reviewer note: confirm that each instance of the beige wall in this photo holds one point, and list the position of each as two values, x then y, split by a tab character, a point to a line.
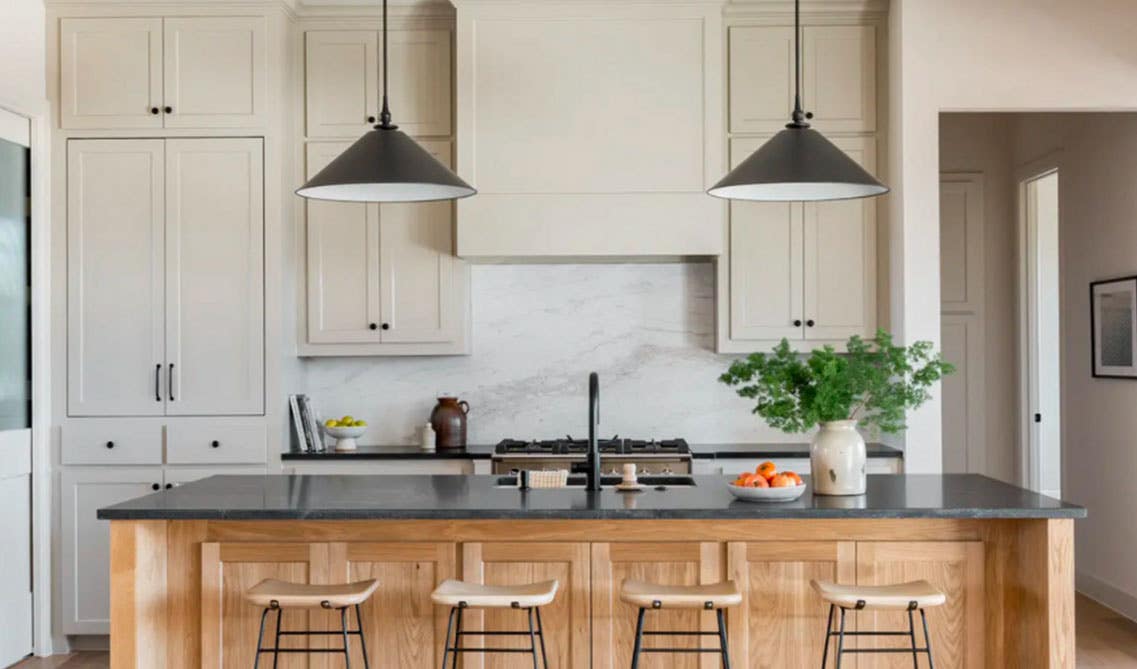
22	54
997	55
983	143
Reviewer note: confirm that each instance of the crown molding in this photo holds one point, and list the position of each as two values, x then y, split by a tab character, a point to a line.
781	8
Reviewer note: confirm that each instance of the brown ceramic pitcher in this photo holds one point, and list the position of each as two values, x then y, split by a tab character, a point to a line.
449	422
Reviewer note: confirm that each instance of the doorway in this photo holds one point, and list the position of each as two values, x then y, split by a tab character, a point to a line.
1039	299
15	389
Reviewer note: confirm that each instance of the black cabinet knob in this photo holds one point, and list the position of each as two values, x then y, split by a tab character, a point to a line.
373	326
797	323
809	323
809	114
155	110
169	485
155	487
386	326
110	444
215	443
168	109
370	119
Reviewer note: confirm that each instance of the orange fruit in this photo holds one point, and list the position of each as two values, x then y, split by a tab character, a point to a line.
782	481
767	469
759	482
745	478
795	477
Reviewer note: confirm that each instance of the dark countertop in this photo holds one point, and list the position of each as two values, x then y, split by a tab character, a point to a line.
471	452
485	451
325	497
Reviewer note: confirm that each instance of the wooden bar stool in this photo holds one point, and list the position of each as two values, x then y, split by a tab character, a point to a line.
714	597
460	595
276	596
910	597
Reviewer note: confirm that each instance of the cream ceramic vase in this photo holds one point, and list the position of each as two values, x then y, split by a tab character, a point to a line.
837	459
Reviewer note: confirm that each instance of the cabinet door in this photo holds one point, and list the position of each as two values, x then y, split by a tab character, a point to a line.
86	540
840	258
343	280
417	273
229	624
781	615
957	628
214	276
115	278
110	73
761	77
420	81
214	72
765	265
839	77
341	82
614	622
565	621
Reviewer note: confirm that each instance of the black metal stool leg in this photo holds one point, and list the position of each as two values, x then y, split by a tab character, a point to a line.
276	646
927	640
446	643
362	641
639	639
346	643
532	636
457	636
828	637
912	636
541	633
722	639
260	640
841	638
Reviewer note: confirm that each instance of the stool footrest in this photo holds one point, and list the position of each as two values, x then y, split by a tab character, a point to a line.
678	633
885	650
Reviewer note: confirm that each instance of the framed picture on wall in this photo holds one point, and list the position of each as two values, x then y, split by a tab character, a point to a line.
1113	328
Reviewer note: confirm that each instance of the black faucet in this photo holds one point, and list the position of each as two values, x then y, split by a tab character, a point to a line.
592	475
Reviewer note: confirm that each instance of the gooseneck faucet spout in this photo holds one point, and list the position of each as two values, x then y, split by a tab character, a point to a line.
593	473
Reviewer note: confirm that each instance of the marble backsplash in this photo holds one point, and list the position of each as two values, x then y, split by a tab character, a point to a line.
538	330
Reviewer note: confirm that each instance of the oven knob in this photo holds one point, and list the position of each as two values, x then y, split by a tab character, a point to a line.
667	471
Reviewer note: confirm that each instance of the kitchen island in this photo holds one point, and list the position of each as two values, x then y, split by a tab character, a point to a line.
182	558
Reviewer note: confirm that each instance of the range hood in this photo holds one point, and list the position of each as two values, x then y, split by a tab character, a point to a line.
589	129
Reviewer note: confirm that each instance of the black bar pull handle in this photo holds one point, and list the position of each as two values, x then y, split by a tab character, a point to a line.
171	381
158	382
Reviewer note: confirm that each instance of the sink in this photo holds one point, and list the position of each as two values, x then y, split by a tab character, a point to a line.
647	480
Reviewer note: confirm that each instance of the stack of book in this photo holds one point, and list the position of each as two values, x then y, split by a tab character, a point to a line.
305	425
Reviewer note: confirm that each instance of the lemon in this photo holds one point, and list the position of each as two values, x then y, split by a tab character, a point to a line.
361	423
347	420
331	422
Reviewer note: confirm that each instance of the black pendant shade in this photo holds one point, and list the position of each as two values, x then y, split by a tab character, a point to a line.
385	166
798	164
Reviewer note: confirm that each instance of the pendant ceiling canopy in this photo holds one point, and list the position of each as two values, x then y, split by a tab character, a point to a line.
385	165
798	164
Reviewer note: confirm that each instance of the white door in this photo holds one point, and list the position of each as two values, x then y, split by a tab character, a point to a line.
761	77
116	277
1039	206
15	392
839	77
420	80
86	539
214	276
417	270
215	72
342	78
110	73
839	264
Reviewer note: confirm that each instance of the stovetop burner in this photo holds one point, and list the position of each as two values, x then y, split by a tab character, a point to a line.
612	446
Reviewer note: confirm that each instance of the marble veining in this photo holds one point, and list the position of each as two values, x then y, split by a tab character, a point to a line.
648	329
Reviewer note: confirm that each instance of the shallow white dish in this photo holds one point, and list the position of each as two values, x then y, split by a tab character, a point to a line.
345	436
766	494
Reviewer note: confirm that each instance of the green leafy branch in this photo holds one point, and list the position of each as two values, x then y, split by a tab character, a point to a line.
876	382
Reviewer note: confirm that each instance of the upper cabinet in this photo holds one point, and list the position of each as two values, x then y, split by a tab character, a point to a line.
838	85
144	73
342	94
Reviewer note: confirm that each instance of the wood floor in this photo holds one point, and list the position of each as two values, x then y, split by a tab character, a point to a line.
1105	641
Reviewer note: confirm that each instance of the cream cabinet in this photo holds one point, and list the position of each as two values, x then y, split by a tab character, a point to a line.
165	281
382	280
342	95
838	84
141	73
801	271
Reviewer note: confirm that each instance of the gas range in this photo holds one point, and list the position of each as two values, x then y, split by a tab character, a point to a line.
663	456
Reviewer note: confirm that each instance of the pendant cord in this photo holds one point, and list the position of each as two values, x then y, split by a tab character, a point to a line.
798	115
385	114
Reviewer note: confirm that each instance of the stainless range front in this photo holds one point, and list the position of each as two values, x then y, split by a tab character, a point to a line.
665	456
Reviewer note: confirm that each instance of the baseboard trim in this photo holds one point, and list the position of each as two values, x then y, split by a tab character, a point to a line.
1107	595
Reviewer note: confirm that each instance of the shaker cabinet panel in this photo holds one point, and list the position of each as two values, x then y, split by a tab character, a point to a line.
341	80
765	270
839	77
417	282
111	73
215	72
761	77
115	278
420	81
214	276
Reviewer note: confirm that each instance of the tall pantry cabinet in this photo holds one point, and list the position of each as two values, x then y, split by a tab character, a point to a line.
168	190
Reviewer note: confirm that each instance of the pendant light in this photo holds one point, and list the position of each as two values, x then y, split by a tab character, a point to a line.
385	165
797	164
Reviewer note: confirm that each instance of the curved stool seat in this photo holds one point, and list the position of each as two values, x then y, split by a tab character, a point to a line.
310	595
896	596
477	596
653	595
